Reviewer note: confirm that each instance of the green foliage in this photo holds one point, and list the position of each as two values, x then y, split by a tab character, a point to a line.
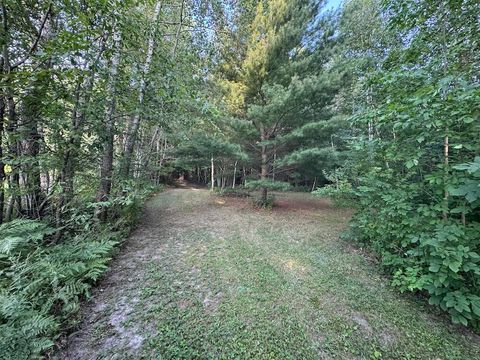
268	184
410	172
20	235
469	186
238	192
259	202
42	284
341	193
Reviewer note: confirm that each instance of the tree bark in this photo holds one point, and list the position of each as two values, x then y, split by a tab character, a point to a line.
13	148
234	174
2	165
135	121
446	161
264	165
274	163
30	118
212	167
106	168
69	161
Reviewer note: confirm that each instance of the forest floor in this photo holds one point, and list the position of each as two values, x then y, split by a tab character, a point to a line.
208	277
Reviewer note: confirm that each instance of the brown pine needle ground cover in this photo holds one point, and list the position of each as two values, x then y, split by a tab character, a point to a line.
205	277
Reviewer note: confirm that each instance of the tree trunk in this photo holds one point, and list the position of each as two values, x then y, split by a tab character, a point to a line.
212	166
223	178
234	175
135	121
67	170
2	165
446	161
31	112
106	168
13	148
179	29
264	166
274	162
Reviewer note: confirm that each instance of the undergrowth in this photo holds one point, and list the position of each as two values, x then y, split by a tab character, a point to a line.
425	246
42	283
237	192
269	203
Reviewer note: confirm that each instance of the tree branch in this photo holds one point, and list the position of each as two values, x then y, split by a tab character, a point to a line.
37	40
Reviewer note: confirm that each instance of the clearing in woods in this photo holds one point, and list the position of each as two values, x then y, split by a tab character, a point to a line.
208	277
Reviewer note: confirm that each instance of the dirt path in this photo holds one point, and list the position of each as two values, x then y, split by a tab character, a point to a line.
207	277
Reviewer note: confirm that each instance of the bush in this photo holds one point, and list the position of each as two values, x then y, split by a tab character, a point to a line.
422	251
300	188
42	284
268	184
260	203
341	193
237	192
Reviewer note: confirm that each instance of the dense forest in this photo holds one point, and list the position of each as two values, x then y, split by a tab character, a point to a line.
374	104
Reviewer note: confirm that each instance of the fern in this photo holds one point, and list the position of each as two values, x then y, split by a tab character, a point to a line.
42	285
20	235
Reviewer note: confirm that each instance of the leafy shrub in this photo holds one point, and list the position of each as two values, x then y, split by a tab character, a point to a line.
260	203
42	284
421	250
444	263
340	193
300	188
268	184
237	192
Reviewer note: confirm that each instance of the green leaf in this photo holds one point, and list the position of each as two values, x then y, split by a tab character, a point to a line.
455	266
434	267
476	308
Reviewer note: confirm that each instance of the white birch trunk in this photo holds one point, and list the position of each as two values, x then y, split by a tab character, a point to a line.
135	122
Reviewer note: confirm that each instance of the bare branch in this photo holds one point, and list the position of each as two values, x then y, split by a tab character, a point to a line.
37	39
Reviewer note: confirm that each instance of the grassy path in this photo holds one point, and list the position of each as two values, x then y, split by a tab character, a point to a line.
210	278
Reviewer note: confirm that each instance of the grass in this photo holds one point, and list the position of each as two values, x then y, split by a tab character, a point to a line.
212	278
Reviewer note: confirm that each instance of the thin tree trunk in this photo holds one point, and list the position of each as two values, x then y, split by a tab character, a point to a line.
13	148
444	14
2	165
67	170
212	166
31	112
446	161
274	161
264	165
9	210
106	168
179	29
152	147
234	175
223	178
135	121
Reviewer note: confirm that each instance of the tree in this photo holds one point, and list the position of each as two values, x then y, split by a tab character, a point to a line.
414	131
266	91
